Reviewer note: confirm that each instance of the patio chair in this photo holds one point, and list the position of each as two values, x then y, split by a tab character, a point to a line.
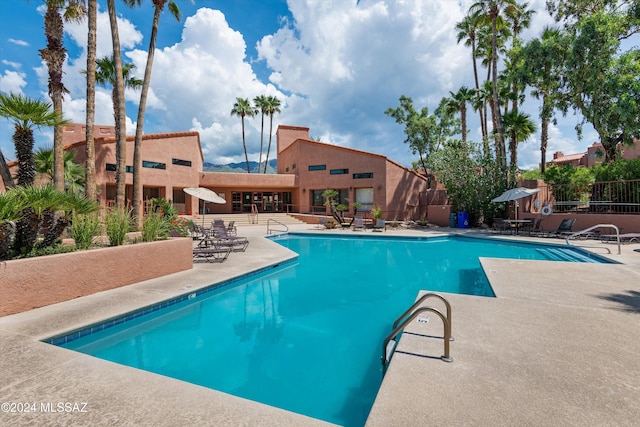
231	228
501	226
358	223
322	222
534	228
565	228
624	238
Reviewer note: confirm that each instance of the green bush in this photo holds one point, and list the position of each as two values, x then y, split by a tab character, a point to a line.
84	228
155	227
118	222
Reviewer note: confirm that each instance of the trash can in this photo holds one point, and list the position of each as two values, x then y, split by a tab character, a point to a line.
452	220
463	219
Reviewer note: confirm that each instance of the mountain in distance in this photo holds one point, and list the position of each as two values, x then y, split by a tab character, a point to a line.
240	167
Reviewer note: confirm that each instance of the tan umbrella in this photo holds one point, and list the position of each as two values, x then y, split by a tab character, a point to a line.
205	195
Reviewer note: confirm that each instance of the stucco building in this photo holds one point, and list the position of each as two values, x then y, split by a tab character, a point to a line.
306	168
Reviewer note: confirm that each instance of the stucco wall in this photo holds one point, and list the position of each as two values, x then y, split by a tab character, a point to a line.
35	282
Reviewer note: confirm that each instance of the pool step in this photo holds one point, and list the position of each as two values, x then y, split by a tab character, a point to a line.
560	254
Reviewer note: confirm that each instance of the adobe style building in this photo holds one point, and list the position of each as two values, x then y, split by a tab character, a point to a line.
306	168
593	155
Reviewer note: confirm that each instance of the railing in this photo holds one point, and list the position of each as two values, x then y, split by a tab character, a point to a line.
613	197
253	216
269	230
389	343
587	230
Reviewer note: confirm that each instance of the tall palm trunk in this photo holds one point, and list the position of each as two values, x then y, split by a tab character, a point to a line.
544	136
137	148
90	165
121	131
23	141
499	134
244	144
266	161
54	55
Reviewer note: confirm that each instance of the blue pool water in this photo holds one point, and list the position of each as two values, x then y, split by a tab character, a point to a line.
305	336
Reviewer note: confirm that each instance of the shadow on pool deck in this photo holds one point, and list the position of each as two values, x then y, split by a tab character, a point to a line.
559	345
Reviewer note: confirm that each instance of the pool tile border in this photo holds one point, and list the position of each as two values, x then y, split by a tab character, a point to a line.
69	336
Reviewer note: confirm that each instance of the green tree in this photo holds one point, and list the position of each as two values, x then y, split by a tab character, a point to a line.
472	179
74	181
424	132
107	76
458	103
542	59
260	103
243	108
601	81
27	113
54	55
158	8
491	11
519	127
273	107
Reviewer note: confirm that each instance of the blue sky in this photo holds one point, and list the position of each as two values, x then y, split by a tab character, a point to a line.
336	65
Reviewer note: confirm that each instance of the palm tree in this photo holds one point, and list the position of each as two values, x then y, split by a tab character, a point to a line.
520	127
520	18
121	113
27	113
458	104
260	103
90	151
106	75
490	11
74	181
273	107
54	55
467	30
242	108
158	6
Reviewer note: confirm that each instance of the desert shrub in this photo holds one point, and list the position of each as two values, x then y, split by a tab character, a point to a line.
118	222
84	228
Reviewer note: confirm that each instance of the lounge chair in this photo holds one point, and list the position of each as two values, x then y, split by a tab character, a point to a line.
379	225
231	228
565	228
358	223
212	253
624	238
238	243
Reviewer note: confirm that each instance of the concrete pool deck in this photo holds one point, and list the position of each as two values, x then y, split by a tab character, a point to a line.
559	345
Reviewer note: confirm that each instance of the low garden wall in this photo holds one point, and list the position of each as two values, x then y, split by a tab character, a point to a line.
35	282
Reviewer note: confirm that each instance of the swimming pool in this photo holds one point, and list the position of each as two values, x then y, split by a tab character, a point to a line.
304	336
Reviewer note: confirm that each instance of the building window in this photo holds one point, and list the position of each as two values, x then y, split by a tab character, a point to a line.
153	165
363	175
338	171
364	196
294	166
317	167
181	162
112	167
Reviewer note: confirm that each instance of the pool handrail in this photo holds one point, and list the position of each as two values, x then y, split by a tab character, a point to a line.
586	230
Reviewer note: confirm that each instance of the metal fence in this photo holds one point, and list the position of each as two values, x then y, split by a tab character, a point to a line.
614	197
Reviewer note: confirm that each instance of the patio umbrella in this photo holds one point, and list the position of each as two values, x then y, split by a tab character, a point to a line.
515	194
205	195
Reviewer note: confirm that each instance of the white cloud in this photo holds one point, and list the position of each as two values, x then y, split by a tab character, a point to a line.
18	42
13	82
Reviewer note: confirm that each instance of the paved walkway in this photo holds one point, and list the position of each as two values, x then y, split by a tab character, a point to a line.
560	345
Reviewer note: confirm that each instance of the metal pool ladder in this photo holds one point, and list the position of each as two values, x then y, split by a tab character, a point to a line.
389	343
